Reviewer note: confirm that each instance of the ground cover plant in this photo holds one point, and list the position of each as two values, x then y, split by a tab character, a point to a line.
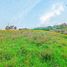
32	48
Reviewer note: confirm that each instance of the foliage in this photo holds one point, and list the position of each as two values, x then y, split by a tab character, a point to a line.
10	27
32	48
62	28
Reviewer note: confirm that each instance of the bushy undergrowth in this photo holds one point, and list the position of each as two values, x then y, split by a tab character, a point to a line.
32	48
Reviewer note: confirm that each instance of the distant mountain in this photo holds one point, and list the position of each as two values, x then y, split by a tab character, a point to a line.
44	28
58	28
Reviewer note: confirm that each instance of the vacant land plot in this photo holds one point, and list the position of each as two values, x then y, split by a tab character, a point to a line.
32	48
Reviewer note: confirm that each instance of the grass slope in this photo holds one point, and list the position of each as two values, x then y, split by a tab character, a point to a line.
32	48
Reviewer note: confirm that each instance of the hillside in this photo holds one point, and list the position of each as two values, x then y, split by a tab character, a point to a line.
62	28
32	48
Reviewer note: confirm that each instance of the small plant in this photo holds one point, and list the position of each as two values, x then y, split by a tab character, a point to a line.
46	55
4	56
22	51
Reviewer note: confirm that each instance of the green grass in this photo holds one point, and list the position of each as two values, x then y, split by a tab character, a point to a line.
32	48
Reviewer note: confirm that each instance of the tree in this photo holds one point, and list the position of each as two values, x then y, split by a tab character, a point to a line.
11	27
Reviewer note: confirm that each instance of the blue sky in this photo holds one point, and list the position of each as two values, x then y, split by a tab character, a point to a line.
32	13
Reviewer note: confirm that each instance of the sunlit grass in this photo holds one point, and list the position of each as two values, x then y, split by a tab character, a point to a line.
32	48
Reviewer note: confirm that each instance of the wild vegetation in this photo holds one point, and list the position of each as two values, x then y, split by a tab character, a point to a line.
62	28
32	48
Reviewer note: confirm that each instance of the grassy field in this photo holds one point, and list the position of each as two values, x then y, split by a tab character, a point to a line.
32	48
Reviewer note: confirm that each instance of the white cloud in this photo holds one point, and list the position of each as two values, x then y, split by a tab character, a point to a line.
56	10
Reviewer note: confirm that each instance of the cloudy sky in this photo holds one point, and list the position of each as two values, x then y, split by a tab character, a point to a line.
32	13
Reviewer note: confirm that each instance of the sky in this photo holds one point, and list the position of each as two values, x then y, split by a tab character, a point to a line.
32	13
